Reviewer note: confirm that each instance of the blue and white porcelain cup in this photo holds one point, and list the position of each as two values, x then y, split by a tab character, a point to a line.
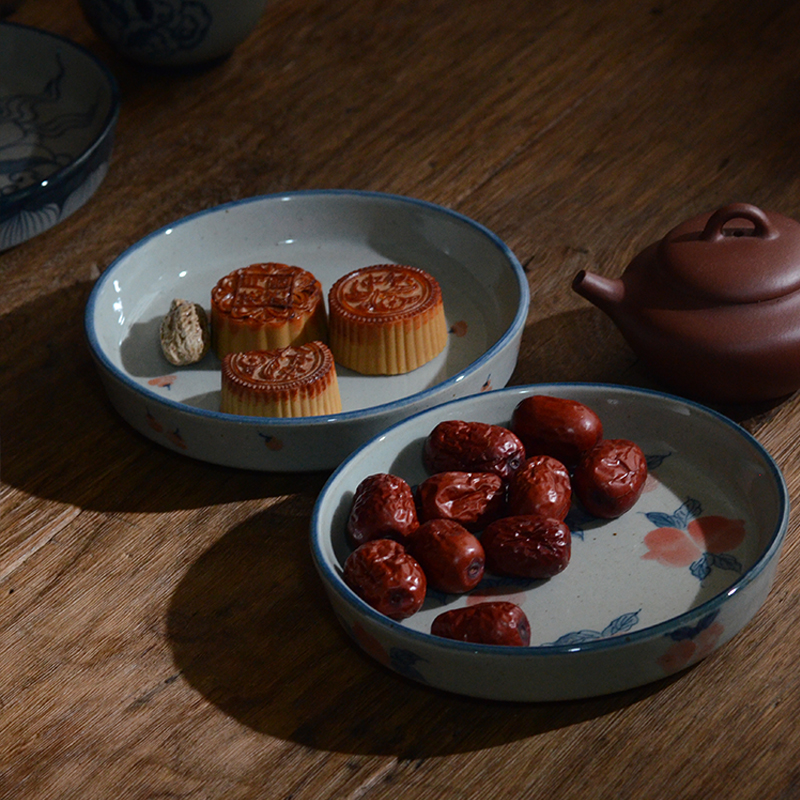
173	33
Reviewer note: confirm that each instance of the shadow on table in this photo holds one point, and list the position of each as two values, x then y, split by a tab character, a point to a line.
61	439
252	631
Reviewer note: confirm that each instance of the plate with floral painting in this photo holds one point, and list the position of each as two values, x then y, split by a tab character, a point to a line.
644	595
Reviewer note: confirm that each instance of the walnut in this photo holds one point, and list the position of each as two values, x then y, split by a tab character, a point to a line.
185	334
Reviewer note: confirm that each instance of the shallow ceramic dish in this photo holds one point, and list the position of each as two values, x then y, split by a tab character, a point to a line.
329	233
643	596
58	111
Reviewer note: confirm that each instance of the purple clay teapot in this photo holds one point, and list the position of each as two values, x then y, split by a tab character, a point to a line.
713	309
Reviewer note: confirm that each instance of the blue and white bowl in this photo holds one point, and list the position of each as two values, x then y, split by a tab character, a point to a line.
643	597
173	33
58	110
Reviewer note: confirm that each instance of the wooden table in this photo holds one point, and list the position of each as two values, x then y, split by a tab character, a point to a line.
162	631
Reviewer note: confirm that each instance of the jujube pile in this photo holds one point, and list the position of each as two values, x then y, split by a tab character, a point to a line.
496	501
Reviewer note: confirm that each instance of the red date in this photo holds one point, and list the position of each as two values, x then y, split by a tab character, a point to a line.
557	427
451	557
610	478
527	546
460	446
541	486
498	622
472	498
386	577
383	508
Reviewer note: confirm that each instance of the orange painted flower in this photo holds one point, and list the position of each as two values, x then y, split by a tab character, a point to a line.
692	644
717	534
671	547
688	539
154	423
370	644
163	381
176	438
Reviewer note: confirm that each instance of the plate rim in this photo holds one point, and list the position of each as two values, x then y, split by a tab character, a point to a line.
23	197
334	583
364	414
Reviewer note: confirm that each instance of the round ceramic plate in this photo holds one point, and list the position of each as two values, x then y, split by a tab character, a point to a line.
643	596
58	110
329	233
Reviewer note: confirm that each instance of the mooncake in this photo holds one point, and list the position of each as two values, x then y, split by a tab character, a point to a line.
286	382
266	306
386	319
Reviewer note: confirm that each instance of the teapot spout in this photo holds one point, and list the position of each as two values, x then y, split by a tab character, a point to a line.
605	293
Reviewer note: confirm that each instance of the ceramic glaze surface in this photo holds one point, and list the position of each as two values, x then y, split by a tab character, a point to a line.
173	32
712	309
58	111
643	596
485	295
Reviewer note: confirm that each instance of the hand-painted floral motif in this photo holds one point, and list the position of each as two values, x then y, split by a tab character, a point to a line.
399	659
272	442
163	381
173	436
153	27
692	643
619	625
688	539
154	423
176	439
369	644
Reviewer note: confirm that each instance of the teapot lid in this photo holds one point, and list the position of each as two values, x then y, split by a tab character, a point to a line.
756	257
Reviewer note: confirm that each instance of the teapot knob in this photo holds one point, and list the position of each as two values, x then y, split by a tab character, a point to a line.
716	262
716	222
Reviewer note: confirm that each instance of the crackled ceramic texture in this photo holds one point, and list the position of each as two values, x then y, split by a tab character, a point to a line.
328	233
644	595
58	111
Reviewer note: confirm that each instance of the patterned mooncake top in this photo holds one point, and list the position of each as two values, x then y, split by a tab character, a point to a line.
286	368
266	292
384	292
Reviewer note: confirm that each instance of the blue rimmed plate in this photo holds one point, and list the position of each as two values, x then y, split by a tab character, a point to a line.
643	597
329	233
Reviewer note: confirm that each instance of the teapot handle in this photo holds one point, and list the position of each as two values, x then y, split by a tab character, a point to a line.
716	222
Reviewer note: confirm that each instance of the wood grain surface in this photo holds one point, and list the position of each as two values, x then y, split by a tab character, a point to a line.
162	631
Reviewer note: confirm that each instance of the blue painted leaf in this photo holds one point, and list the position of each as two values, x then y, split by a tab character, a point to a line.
656	460
689	510
725	561
403	661
622	623
690	631
577	637
707	621
662	520
701	568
